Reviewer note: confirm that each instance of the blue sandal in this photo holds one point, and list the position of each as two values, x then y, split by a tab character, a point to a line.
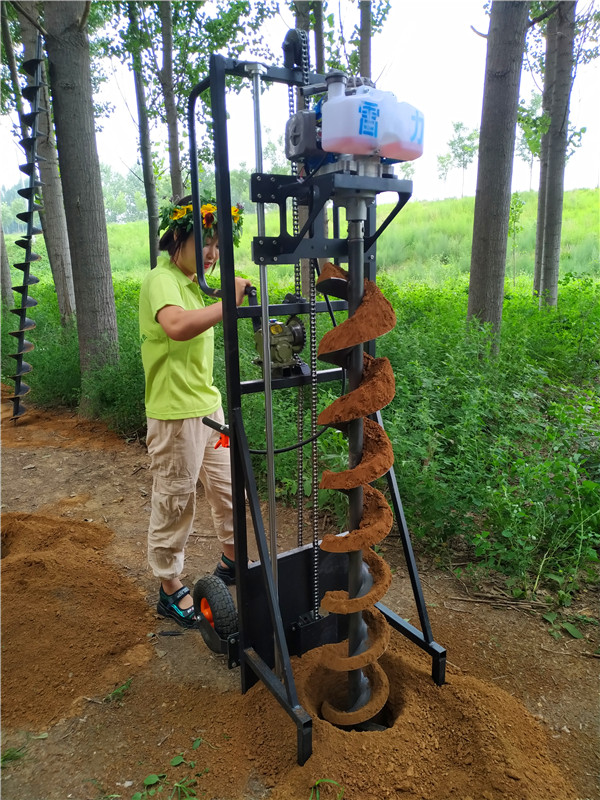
167	607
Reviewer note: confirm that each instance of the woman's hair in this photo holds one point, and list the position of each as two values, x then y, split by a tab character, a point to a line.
172	239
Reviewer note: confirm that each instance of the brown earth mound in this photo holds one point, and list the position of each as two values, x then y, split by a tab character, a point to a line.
70	625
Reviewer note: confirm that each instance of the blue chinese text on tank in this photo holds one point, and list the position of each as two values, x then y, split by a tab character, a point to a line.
419	120
369	113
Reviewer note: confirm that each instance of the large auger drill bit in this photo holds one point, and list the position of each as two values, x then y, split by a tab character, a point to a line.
371	518
31	93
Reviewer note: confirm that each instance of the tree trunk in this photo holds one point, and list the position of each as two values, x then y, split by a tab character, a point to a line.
505	46
166	81
69	59
557	153
8	298
365	38
319	38
52	214
549	77
145	141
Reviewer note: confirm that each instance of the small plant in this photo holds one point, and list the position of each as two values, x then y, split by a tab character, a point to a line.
180	789
200	740
11	754
117	694
153	784
315	793
556	626
183	789
180	759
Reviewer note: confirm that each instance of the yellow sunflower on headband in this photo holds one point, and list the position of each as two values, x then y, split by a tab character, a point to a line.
181	217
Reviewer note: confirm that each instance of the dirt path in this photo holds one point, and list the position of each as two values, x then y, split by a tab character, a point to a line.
518	717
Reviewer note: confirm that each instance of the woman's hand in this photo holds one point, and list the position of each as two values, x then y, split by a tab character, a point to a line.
241	284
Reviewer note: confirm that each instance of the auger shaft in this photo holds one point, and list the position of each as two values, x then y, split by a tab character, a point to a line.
358	685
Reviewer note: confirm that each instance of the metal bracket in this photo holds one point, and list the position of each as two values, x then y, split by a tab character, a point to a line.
315	192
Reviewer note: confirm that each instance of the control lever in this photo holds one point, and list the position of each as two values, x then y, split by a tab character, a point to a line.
253	301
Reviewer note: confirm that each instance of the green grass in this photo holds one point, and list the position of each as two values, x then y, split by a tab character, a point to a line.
497	457
11	754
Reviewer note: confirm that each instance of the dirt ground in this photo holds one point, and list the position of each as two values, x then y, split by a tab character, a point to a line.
518	717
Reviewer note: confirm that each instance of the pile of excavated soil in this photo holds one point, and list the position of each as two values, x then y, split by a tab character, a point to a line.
70	625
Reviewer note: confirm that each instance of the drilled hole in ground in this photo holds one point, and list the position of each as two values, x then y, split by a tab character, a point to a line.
380	722
323	684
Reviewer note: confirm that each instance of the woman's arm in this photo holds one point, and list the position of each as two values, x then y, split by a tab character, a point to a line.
181	324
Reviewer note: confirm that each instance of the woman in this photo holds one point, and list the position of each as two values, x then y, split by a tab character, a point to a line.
177	337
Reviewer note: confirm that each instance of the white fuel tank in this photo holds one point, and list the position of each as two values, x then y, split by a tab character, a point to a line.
370	122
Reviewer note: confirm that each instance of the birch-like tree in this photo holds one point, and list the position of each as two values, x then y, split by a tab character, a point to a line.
550	202
70	78
505	46
509	24
134	38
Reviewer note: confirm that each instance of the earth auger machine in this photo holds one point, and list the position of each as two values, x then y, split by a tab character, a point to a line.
325	593
31	93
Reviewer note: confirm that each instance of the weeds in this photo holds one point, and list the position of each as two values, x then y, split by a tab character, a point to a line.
197	742
118	693
315	793
11	754
556	625
181	788
153	784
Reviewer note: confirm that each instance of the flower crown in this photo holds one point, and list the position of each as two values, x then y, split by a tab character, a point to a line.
181	217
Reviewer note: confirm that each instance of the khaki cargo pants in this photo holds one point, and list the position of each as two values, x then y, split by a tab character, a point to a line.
181	451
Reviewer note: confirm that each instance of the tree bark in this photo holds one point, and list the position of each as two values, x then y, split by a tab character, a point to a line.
8	298
145	140
69	59
557	153
9	59
319	38
549	78
505	46
165	76
52	213
365	38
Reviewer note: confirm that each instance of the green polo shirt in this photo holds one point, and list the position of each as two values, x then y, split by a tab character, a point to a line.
179	375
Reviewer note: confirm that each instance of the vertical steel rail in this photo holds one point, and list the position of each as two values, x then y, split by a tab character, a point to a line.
255	72
216	83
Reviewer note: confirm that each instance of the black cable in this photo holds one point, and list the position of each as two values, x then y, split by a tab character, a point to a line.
326	296
292	446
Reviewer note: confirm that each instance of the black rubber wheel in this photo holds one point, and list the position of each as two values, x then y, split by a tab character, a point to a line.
212	599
